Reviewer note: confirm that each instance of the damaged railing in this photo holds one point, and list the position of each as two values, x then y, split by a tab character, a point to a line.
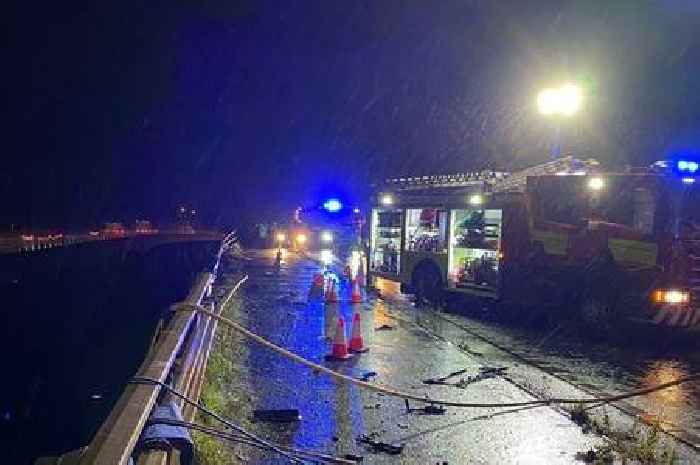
178	357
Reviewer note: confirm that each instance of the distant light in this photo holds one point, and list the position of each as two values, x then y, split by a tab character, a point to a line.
387	199
689	166
565	100
688	180
327	256
476	199
301	238
333	205
356	210
596	184
281	237
327	236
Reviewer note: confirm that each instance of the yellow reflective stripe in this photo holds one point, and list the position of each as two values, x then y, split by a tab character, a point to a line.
637	252
554	243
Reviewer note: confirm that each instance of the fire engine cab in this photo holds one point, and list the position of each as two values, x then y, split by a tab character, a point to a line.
558	240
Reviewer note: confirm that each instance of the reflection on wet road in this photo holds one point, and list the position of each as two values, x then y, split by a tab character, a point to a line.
596	368
274	304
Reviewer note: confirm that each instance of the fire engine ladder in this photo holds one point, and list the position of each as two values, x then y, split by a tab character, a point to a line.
517	181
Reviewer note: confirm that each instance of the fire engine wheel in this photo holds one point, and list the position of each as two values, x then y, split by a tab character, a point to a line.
598	316
427	284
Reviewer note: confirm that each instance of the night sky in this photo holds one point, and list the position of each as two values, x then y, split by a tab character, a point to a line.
120	110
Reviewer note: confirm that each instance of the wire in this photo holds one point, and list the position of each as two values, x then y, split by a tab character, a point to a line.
315	456
274	447
393	392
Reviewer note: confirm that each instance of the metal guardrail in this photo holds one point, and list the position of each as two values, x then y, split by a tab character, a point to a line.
178	356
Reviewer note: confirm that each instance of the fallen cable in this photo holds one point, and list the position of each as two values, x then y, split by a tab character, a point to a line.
302	454
233	426
404	395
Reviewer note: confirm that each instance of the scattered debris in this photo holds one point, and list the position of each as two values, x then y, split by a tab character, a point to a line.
401	426
277	416
373	407
444	378
378	446
367	375
356	458
430	409
484	373
384	327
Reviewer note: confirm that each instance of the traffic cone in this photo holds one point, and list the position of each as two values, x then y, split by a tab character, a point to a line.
356	342
339	351
331	295
356	296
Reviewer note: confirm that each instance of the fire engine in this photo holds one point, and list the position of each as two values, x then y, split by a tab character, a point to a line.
562	239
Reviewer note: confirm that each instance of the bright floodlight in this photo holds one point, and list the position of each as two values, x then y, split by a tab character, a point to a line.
596	184
301	238
476	199
281	237
327	236
565	100
387	199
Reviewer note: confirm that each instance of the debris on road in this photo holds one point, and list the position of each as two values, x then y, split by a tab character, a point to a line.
356	458
430	409
484	373
277	416
378	446
367	376
444	378
384	327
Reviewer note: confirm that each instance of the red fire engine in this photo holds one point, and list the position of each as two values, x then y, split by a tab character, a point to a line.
558	240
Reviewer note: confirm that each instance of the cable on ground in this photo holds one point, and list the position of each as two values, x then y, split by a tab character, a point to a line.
393	392
222	434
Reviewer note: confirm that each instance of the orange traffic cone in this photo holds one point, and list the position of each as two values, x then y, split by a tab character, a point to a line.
357	344
339	350
331	295
356	296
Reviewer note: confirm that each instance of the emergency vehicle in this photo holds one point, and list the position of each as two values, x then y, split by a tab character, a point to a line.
558	240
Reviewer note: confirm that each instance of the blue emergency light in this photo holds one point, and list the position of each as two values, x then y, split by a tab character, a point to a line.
685	166
332	205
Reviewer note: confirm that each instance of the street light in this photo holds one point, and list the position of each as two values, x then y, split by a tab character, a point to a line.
565	100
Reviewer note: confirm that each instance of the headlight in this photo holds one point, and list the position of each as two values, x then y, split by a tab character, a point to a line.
671	297
327	256
327	236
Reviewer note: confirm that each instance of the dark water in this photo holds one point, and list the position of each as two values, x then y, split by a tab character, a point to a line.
76	324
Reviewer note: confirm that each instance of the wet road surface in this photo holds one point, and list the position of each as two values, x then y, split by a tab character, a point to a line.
275	306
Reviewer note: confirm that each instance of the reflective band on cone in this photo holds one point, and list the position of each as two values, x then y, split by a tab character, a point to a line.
339	350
